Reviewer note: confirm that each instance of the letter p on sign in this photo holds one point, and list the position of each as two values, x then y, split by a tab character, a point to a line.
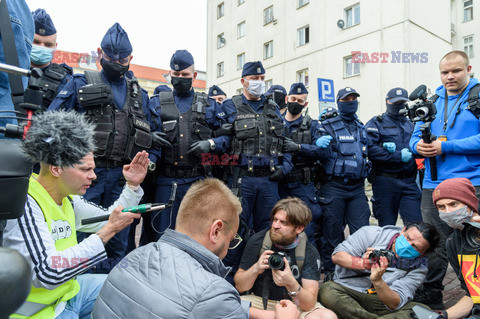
326	92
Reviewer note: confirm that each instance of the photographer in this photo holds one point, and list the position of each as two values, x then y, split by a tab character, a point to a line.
456	152
298	277
45	235
365	287
457	203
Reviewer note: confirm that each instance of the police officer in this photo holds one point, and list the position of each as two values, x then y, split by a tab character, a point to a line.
303	133
394	168
55	75
217	94
188	120
347	168
114	101
258	135
278	94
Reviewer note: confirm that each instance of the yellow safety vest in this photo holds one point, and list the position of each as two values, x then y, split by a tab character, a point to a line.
61	223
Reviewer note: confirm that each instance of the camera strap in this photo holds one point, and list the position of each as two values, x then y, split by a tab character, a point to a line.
446	114
11	56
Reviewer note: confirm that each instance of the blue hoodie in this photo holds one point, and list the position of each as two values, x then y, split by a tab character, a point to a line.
461	151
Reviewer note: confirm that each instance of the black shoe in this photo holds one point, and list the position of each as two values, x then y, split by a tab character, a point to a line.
328	276
430	297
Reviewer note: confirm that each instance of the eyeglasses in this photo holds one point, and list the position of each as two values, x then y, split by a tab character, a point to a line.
236	239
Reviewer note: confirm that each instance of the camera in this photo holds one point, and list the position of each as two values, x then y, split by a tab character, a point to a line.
374	256
423	109
420	312
275	261
330	112
471	232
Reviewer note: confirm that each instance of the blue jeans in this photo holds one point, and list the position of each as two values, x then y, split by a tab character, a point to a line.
81	306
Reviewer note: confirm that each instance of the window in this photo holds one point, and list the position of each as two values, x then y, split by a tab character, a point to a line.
351	69
352	16
302	3
302	76
239	91
468	46
268	84
220	69
303	35
220	10
467	10
268	50
220	41
268	15
240	29
241	2
240	61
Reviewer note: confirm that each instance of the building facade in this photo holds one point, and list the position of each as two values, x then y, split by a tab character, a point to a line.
372	45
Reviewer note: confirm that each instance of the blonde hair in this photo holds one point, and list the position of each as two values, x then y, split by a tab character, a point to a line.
205	201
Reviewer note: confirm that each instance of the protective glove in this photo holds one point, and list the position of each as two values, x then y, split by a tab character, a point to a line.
390	146
200	147
324	141
225	129
159	141
277	175
320	115
290	146
406	155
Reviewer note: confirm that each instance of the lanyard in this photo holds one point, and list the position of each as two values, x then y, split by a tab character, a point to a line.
446	114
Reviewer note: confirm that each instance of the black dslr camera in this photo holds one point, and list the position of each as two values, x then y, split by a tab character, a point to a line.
275	261
374	256
330	112
471	232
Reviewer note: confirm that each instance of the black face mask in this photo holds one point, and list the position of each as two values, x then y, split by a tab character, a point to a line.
279	99
393	109
182	85
113	71
294	108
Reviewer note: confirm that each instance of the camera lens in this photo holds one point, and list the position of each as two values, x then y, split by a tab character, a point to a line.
473	236
421	112
275	261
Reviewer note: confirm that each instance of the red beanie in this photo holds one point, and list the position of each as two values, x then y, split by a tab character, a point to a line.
460	189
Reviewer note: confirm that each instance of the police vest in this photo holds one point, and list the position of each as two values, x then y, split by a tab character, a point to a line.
257	134
50	81
350	151
61	223
119	134
182	130
302	135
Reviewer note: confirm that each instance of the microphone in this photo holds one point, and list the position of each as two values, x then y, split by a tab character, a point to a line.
418	93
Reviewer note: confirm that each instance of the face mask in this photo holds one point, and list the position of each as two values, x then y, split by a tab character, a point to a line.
182	85
347	108
41	55
279	99
394	108
404	249
256	87
456	218
113	71
294	108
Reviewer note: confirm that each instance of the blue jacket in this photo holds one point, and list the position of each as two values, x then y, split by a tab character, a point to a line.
461	151
23	32
388	128
175	277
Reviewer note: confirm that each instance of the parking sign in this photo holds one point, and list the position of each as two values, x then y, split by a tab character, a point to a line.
326	93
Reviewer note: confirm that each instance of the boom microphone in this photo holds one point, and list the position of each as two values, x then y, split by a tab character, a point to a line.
418	93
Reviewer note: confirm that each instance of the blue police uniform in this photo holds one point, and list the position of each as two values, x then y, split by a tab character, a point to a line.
394	170
126	98
343	195
300	181
186	117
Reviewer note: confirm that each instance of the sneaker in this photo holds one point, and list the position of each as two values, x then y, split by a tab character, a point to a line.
328	276
430	297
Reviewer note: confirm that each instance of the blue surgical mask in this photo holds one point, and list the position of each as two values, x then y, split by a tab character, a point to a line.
404	249
41	55
256	87
348	108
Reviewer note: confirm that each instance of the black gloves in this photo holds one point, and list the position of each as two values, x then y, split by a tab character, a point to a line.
199	147
277	175
159	141
290	146
225	129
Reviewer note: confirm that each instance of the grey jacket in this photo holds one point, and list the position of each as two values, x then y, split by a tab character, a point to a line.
175	277
402	282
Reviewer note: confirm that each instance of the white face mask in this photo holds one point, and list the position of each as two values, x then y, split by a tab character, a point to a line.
256	87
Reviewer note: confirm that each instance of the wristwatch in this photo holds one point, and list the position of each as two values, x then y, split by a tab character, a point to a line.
151	166
294	293
212	144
